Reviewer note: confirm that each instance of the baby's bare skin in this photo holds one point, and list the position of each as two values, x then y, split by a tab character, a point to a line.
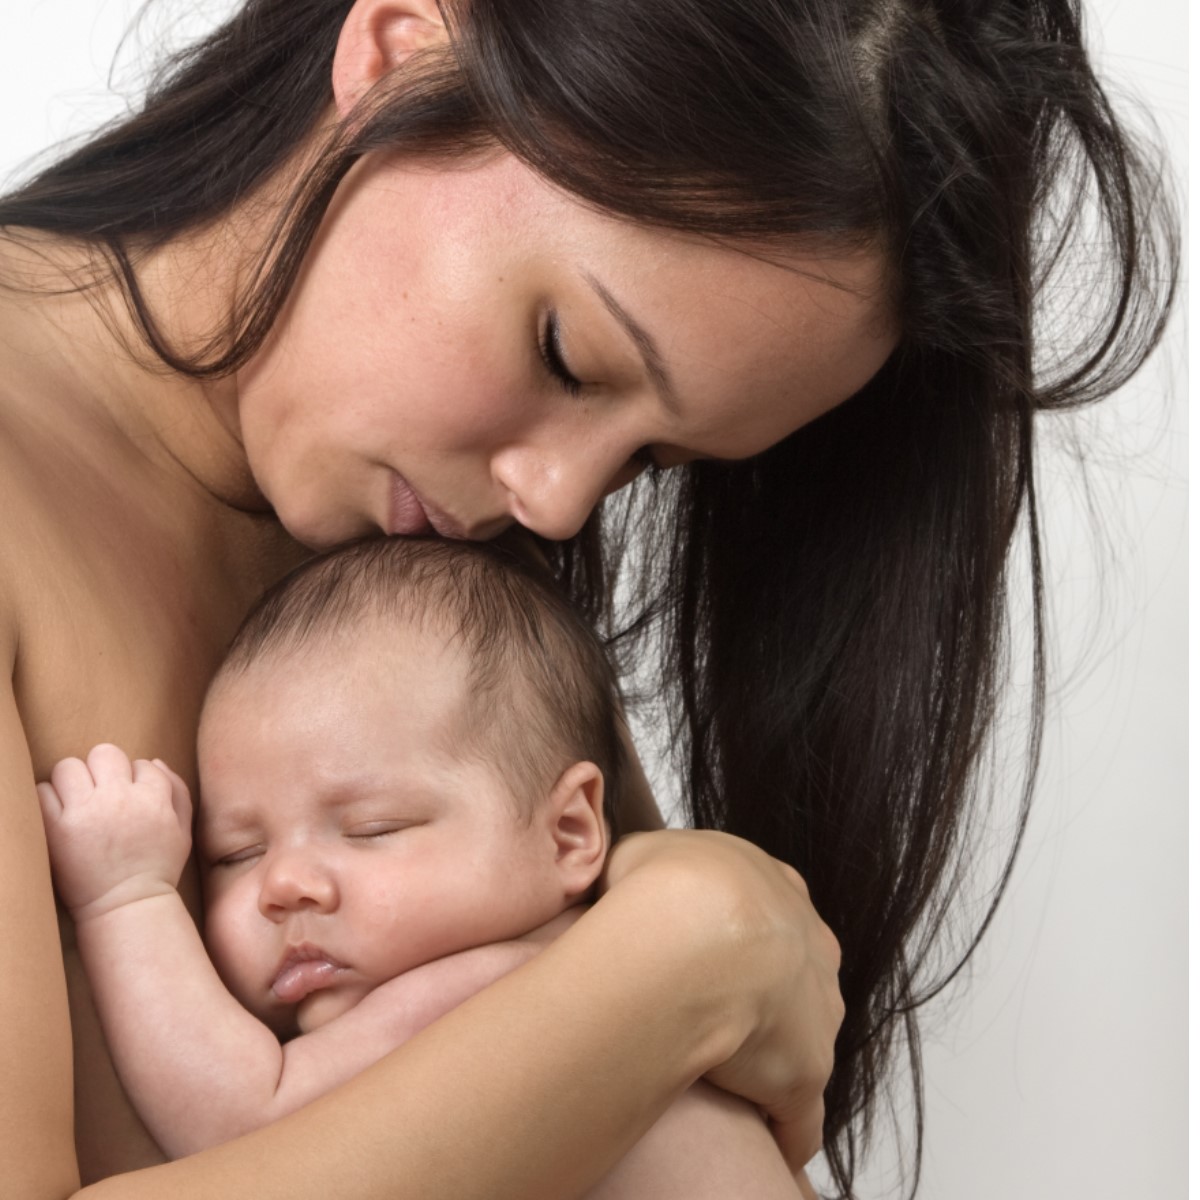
119	833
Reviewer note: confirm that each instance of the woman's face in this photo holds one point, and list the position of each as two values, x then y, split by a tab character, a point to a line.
468	347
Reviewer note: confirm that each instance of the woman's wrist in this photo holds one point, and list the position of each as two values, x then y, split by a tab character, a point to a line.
692	916
755	967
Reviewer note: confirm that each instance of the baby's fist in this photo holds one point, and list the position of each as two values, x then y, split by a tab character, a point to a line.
118	831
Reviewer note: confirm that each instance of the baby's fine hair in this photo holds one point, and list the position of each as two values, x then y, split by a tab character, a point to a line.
532	656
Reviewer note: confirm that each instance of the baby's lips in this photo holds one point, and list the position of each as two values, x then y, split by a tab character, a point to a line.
298	977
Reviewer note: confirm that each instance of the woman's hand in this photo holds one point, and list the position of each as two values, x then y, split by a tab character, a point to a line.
773	967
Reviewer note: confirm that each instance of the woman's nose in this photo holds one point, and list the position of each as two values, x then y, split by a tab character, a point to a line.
553	491
295	880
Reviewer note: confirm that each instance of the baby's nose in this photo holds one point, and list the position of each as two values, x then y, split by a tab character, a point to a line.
296	880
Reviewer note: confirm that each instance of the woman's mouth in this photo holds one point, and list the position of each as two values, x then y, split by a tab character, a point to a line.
406	514
411	516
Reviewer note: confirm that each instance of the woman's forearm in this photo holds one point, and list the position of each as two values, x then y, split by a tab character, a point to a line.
37	1158
535	1087
315	1063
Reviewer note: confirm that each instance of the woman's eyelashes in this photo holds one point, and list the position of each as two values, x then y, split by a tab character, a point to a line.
550	344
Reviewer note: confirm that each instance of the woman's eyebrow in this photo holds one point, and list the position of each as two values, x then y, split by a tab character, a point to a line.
647	347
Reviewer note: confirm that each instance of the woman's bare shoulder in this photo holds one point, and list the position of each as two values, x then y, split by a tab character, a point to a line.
112	579
23	538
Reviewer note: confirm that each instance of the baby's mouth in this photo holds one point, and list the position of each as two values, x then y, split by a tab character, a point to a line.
305	969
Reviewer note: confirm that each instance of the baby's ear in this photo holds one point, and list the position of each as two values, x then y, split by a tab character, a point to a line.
575	814
376	36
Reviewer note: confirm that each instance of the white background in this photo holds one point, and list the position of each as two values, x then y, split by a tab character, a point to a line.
1059	1070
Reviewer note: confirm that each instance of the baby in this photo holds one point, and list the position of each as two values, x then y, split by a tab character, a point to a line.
407	765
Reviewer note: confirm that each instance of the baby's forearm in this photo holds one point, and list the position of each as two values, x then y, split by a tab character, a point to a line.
189	1055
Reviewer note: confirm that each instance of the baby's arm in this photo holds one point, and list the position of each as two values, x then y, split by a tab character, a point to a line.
199	1068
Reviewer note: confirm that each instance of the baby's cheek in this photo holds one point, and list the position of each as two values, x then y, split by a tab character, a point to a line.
231	948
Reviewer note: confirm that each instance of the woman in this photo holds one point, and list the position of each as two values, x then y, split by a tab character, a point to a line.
848	209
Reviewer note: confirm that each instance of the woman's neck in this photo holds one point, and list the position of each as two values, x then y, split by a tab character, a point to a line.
81	347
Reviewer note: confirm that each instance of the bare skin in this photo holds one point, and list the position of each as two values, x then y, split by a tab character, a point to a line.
136	538
151	574
132	548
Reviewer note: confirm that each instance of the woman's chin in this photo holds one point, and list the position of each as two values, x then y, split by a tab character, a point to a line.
323	532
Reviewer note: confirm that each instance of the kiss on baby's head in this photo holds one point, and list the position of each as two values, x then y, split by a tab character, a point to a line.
541	692
408	752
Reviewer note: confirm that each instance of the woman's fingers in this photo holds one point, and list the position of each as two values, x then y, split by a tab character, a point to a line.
785	1064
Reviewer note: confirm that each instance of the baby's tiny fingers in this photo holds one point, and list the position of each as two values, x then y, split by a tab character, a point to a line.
109	764
71	779
148	774
180	797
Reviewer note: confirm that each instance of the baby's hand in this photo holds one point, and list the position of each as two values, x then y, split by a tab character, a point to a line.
117	831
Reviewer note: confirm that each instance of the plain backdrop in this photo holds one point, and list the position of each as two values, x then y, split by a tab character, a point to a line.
1058	1069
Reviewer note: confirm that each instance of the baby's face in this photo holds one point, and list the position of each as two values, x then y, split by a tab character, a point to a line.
343	839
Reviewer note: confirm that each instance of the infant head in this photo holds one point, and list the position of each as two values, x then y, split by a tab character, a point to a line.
407	753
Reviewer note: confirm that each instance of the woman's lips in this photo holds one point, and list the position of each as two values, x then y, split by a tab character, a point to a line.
411	516
406	513
304	970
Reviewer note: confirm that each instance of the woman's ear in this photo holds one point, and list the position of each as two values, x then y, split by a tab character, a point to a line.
378	35
575	816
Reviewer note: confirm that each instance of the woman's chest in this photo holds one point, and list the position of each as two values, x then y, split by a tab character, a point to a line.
124	598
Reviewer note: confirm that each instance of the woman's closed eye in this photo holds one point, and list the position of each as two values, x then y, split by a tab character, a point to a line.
550	345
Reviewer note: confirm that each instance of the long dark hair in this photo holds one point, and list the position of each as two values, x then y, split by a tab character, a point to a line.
831	614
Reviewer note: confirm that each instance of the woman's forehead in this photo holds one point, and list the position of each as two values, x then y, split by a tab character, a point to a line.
769	341
805	326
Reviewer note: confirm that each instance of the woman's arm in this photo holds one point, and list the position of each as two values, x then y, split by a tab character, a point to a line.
707	1146
37	1143
536	1086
